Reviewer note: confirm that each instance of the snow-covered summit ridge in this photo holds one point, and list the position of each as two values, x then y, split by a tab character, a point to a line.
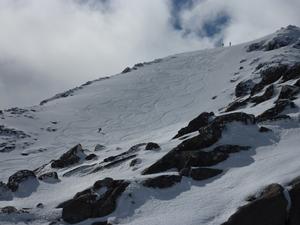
186	139
288	36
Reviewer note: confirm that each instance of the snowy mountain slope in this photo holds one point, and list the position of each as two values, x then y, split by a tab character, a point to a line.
151	103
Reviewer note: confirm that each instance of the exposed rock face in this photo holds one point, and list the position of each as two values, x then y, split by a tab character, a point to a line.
5	192
203	173
294	214
19	177
135	162
281	40
189	153
126	70
273	113
91	157
152	146
9	209
202	120
163	181
69	158
97	201
288	92
264	129
49	177
236	104
292	72
268	94
269	76
270	208
243	88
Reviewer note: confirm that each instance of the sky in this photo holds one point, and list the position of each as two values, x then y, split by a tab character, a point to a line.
48	46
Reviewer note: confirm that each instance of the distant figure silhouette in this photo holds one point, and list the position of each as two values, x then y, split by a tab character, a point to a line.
222	44
229	43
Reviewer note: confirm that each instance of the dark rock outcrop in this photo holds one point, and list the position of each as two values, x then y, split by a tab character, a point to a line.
126	70
5	192
71	157
269	76
135	162
293	72
19	177
8	210
288	92
152	146
49	177
294	213
203	173
202	120
97	201
90	157
268	94
273	113
264	129
186	159
270	208
236	105
163	181
188	153
243	88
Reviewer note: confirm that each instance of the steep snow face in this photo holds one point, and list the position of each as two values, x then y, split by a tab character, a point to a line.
151	102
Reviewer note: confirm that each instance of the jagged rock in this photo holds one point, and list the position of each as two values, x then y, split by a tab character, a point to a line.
98	201
297	83
152	146
189	150
236	105
5	192
163	181
264	129
40	205
126	70
5	131
202	120
268	94
182	159
90	157
255	46
294	213
129	152
9	209
274	112
243	88
292	72
69	158
288	92
19	177
135	162
270	208
280	40
211	133
99	147
203	173
49	177
269	76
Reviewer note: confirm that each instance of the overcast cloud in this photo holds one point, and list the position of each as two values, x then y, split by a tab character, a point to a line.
47	46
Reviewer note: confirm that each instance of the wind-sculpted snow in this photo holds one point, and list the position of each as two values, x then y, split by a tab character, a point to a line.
187	139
